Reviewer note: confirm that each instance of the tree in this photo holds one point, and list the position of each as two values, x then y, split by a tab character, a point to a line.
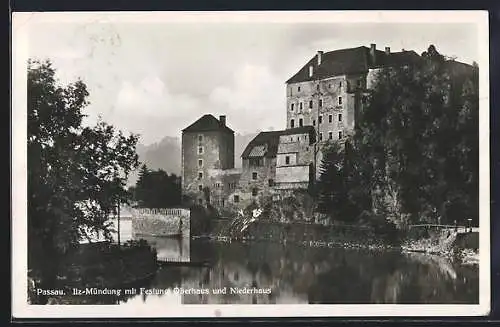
332	184
420	132
76	174
157	189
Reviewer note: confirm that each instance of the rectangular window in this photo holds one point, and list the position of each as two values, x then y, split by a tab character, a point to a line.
200	201
320	119
314	122
236	198
330	135
287	160
200	150
340	84
321	136
310	104
200	138
340	135
330	118
254	175
292	123
301	122
320	103
300	106
255	191
200	187
256	162
298	88
270	183
340	117
200	175
291	107
340	100
200	163
217	185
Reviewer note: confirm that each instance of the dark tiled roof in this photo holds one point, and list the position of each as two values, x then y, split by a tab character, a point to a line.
271	140
207	123
350	61
399	58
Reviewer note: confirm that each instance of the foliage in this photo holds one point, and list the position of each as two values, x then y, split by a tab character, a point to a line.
339	192
76	173
157	189
414	154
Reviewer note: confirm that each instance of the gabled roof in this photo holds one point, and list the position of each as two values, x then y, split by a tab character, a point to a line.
266	143
350	61
207	123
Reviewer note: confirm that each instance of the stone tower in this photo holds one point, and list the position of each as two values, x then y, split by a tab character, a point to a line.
207	149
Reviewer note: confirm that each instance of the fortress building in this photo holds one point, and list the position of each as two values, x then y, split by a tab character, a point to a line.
208	159
323	101
328	92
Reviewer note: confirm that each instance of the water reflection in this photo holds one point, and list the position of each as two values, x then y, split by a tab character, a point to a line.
297	274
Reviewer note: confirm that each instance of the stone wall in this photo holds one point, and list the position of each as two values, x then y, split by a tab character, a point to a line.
217	153
162	222
293	174
330	90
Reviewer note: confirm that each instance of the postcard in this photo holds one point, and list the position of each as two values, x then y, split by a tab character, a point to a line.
250	164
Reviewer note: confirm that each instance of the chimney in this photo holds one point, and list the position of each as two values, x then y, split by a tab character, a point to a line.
222	120
320	55
373	48
310	71
387	50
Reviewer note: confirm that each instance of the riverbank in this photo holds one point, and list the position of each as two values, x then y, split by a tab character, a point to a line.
457	245
445	243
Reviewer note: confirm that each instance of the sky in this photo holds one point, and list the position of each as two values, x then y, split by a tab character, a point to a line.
156	78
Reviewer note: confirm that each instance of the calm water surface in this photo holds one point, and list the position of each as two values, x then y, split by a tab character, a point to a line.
303	275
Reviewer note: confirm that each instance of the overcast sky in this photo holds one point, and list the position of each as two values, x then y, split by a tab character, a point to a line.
155	79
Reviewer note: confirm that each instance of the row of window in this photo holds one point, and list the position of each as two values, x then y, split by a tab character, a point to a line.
359	83
320	104
330	135
320	120
236	197
217	185
256	162
317	87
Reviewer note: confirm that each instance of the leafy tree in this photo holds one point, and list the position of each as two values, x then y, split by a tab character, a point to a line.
76	174
419	131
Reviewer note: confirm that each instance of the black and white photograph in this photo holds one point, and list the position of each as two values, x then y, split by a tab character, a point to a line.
243	164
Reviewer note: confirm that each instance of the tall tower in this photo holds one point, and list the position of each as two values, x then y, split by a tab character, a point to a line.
207	147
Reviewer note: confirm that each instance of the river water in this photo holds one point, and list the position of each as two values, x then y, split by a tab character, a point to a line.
295	274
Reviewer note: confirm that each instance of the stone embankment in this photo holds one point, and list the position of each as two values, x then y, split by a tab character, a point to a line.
460	245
